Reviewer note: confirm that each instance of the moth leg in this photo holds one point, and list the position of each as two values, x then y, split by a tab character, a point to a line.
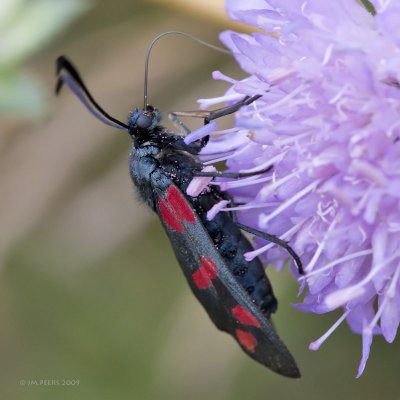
276	240
221	112
233	175
213	114
209	116
173	116
267	236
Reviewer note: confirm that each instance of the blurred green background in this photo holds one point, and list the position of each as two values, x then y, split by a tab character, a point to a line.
89	287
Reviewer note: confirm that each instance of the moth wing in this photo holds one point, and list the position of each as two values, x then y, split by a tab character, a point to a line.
225	300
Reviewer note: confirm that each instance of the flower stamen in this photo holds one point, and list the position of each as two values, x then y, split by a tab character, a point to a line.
278	104
264	219
320	247
342	296
317	343
240	183
330	265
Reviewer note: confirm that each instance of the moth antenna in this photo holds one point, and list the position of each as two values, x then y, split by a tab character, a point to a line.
157	38
69	75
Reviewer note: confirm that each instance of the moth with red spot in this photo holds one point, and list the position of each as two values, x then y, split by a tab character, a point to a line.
236	294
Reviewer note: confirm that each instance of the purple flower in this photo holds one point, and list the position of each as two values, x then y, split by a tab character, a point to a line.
329	123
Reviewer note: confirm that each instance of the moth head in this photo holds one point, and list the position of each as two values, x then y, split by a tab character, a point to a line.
146	119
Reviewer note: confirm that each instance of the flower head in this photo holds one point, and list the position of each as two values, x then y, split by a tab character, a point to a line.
329	123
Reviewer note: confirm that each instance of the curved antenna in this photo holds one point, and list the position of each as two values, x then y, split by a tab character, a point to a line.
157	38
69	75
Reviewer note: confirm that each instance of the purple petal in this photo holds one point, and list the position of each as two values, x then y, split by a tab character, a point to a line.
216	208
198	134
199	183
366	346
390	319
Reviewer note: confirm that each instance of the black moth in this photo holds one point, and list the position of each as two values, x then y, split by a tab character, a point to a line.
236	294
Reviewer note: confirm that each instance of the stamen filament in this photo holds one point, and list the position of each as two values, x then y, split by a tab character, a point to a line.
250	206
240	183
342	296
317	343
320	247
283	100
336	262
275	184
289	202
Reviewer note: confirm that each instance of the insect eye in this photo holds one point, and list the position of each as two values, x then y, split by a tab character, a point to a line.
144	121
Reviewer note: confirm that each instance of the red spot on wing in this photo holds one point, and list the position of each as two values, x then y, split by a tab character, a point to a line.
244	316
179	205
168	216
246	339
209	265
206	273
